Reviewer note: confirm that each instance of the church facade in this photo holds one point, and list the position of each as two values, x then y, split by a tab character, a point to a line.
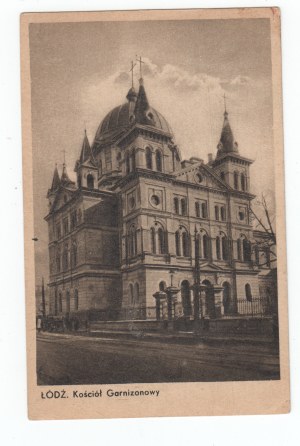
130	232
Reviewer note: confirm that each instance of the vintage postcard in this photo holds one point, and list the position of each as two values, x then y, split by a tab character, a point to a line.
154	213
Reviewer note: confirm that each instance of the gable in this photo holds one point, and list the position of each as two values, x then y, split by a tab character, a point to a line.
203	176
62	197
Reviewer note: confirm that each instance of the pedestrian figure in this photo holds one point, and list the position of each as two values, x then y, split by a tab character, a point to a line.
39	325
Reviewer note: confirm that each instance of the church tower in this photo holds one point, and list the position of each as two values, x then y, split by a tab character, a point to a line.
229	164
54	187
86	167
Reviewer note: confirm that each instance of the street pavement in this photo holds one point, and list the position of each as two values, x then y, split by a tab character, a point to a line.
69	359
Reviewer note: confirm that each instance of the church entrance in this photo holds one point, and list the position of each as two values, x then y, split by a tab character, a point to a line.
209	299
227	298
186	298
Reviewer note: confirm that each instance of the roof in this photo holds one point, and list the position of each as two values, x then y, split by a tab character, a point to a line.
227	144
137	110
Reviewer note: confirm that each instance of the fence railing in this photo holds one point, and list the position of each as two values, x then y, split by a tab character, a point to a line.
254	307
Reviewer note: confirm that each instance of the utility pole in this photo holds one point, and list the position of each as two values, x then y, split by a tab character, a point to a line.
196	279
43	299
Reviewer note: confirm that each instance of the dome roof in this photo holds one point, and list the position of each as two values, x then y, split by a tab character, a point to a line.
121	118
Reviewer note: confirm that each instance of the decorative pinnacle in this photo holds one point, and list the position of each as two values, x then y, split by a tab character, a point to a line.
139	59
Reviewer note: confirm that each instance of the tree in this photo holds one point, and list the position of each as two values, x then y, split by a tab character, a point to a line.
266	236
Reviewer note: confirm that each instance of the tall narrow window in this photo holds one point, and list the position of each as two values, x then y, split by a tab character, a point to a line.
197	209
127	163
177	242
223	213
60	303
225	248
65	258
58	260
236	180
218	248
204	210
243	182
205	248
158	161
239	249
246	250
136	292
161	241
132	160
176	205
183	206
74	254
130	294
217	212
76	300
55	303
90	181
148	158
68	302
153	244
248	292
185	244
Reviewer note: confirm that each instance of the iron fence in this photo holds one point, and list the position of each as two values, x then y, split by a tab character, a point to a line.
254	307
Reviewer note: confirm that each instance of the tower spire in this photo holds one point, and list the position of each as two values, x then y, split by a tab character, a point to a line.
140	61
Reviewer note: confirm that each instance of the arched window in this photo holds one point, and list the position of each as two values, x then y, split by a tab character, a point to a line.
148	158
136	293
224	247
130	294
158	159
68	302
161	241
218	248
223	213
236	180
132	160
176	205
127	163
76	300
217	212
205	246
60	303
243	182
158	239
183	206
153	244
90	181
197	209
177	242
162	286
185	244
248	292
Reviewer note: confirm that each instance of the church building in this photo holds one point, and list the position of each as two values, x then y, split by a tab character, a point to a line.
139	220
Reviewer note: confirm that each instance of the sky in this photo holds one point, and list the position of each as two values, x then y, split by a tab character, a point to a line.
80	71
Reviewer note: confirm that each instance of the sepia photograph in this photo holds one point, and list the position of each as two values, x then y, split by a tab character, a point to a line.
155	220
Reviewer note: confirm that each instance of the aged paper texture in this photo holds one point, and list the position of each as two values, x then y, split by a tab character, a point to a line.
154	213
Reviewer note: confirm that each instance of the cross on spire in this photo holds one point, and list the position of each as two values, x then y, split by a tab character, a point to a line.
131	70
139	59
224	96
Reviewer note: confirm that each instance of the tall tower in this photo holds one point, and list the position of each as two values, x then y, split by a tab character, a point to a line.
229	164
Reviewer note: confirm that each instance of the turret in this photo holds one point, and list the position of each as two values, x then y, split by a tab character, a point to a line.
86	167
229	164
